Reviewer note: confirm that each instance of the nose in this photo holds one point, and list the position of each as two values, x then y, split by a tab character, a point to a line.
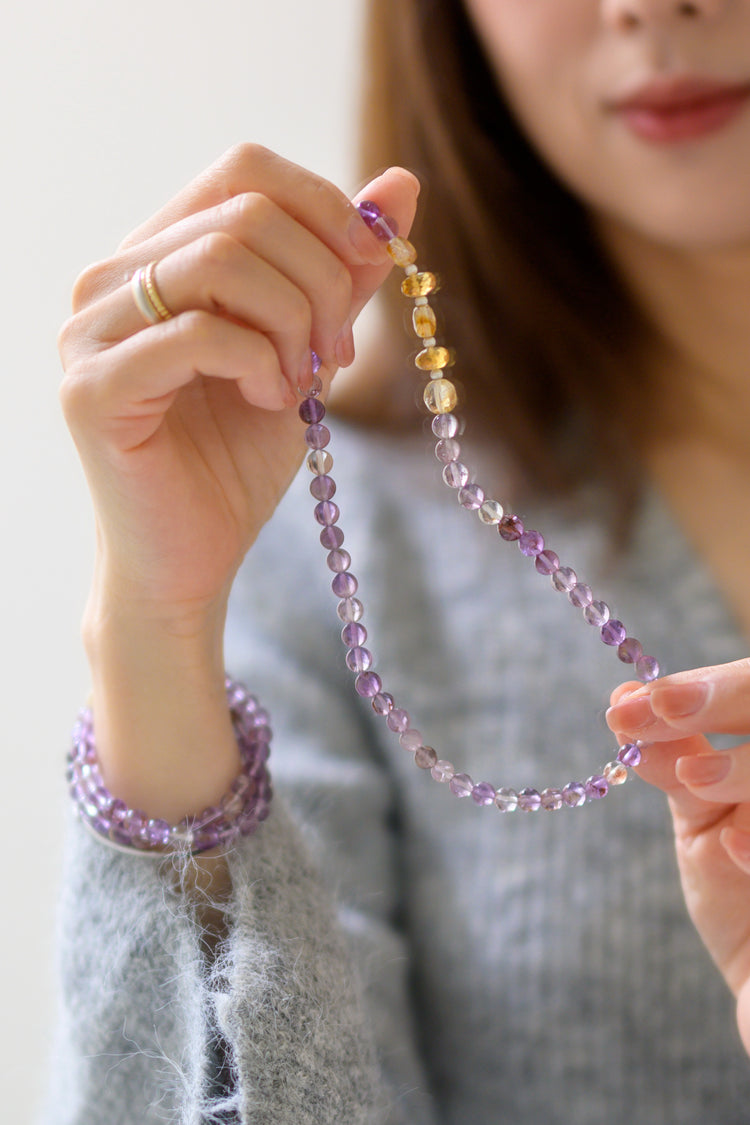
627	15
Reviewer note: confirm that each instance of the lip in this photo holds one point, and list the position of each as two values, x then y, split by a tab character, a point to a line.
679	110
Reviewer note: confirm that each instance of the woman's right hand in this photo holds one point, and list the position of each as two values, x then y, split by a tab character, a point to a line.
187	429
189	436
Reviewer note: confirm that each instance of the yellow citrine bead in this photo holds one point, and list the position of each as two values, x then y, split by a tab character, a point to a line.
440	396
424	320
419	284
432	359
402	251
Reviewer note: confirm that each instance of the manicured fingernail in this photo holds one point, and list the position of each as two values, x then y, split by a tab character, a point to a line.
364	241
703	769
631	714
679	700
343	347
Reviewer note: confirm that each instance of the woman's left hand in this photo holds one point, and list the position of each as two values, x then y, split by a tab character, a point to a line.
709	797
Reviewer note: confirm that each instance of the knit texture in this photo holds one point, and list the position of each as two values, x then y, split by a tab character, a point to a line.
396	955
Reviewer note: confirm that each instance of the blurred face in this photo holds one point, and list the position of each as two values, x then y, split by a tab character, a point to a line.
642	107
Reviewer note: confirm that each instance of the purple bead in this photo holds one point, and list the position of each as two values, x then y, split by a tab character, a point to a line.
443	771
647	669
338	561
385	228
483	793
410	739
447	450
445	425
317	435
425	758
353	634
471	497
552	799
510	529
369	211
455	474
597	614
331	537
596	787
322	487
398	720
529	800
326	512
630	755
344	585
564	579
368	684
358	659
547	562
316	365
630	651
382	704
312	410
613	633
157	833
574	794
531	543
461	785
580	595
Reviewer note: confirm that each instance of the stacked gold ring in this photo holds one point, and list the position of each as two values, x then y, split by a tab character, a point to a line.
147	297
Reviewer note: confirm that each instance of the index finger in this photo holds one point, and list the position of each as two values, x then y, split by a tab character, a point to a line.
308	198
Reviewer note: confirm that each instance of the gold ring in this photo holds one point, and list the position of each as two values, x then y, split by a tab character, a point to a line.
147	296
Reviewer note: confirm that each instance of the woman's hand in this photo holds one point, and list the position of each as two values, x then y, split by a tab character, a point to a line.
709	796
187	429
189	436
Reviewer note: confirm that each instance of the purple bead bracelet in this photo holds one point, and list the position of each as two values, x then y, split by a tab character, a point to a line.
239	812
440	397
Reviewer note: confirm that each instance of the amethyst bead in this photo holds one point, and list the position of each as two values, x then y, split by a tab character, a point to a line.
647	669
447	450
331	537
510	528
506	800
368	684
326	512
317	435
596	787
425	757
552	799
574	794
350	609
483	793
630	755
531	543
322	487
338	561
455	474
369	211
398	720
354	634
564	579
547	562
580	595
597	614
344	585
312	410
529	800
445	425
358	659
630	651
443	771
471	497
382	703
461	785
410	739
613	633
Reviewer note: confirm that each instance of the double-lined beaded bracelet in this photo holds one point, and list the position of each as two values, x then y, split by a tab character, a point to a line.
238	813
440	397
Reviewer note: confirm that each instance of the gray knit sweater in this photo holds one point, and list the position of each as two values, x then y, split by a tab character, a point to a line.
395	954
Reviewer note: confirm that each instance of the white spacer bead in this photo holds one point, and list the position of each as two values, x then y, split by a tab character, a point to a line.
421	301
410	270
428	342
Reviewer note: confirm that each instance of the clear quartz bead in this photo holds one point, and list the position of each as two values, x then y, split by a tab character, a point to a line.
445	425
461	785
564	579
424	320
506	800
440	396
350	609
615	773
597	614
447	450
491	511
320	462
443	771
410	739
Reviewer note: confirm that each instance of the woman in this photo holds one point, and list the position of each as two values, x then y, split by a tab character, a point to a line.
588	207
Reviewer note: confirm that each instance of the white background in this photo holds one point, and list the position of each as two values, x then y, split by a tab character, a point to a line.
107	109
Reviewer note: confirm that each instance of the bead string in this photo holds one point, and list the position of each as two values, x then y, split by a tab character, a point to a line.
440	397
239	812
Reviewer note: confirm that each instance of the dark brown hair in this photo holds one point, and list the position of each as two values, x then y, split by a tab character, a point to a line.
547	337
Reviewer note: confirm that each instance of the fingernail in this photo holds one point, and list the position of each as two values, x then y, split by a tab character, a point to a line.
343	347
364	241
679	700
703	769
631	714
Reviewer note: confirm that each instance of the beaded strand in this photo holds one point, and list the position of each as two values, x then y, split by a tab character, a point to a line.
441	397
